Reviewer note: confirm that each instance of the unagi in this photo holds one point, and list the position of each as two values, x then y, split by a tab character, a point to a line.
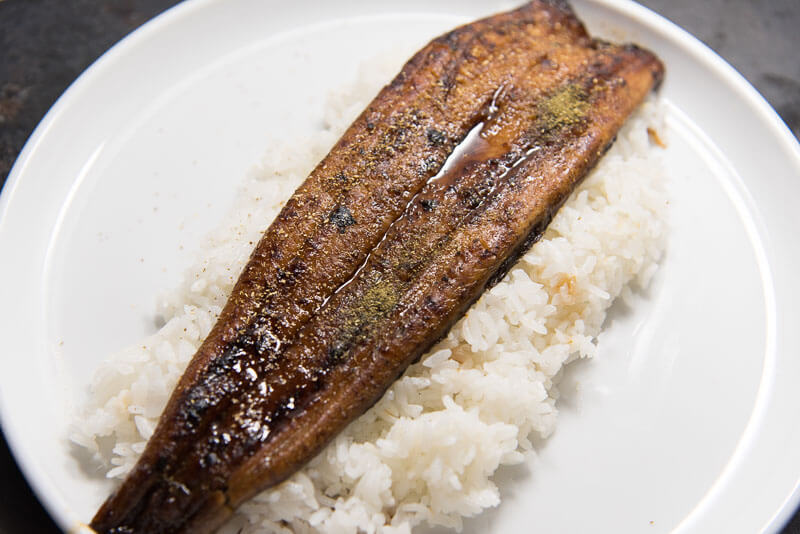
448	175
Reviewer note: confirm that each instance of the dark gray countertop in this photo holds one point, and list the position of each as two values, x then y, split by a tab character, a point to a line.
46	44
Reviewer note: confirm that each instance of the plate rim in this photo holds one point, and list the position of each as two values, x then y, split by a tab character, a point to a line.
641	15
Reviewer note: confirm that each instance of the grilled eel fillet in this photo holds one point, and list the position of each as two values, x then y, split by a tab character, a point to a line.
451	173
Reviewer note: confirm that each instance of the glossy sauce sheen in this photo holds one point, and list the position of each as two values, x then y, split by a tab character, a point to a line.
451	172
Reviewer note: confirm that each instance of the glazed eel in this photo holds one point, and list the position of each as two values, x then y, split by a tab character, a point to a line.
452	172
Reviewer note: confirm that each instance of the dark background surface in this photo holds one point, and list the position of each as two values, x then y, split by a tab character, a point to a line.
46	44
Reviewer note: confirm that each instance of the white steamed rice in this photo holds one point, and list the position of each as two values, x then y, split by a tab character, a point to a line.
426	452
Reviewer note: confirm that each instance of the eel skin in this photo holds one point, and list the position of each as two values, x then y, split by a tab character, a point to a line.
452	172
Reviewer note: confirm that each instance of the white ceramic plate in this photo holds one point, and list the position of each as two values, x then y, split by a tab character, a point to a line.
687	419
